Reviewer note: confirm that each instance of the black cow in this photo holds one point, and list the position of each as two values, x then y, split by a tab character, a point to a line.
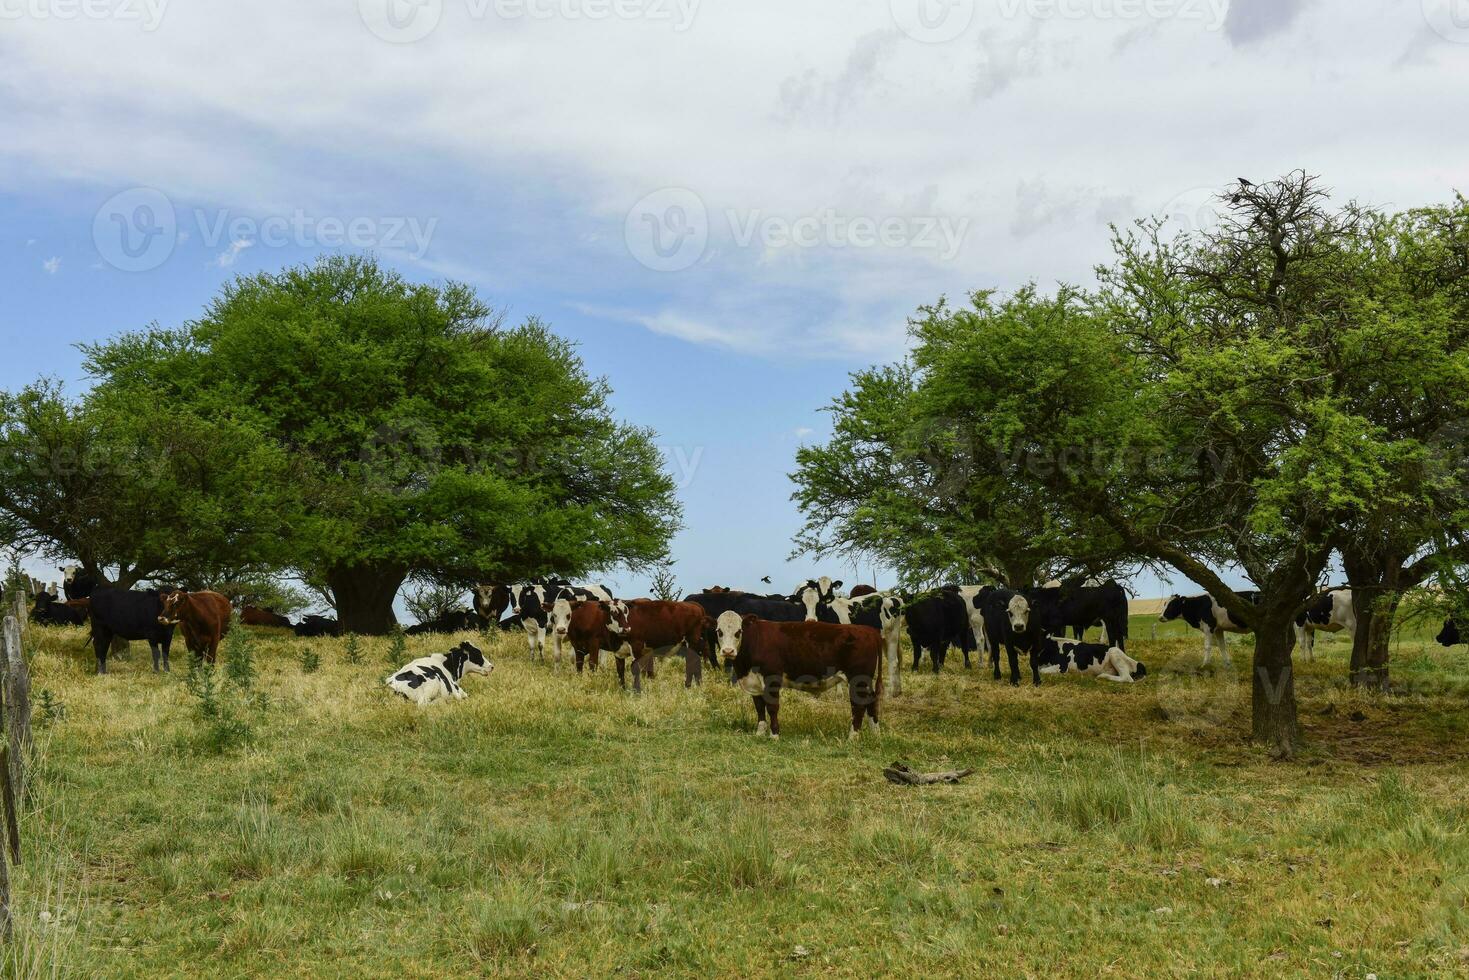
317	626
77	582
1076	607
1449	635
453	621
1008	623
49	610
936	623
128	615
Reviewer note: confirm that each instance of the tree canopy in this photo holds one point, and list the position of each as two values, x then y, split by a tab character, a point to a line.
382	429
1257	397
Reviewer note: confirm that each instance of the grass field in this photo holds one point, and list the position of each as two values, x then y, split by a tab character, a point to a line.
551	825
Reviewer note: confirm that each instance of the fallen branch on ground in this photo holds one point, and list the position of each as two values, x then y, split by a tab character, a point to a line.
904	776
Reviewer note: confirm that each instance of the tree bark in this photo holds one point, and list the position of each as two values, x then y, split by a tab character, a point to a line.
365	595
1370	645
1273	687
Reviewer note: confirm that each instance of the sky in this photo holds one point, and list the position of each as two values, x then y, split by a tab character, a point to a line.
728	206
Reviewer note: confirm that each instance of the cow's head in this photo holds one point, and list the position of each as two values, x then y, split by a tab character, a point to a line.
474	659
1449	635
1172	609
729	634
69	573
1018	612
558	621
529	599
173	601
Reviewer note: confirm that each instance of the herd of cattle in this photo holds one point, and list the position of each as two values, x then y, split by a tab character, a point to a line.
808	640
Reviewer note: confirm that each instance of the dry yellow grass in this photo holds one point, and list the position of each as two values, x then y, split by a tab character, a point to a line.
551	825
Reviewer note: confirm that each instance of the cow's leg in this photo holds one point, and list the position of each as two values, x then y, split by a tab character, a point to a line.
100	642
1304	641
1208	645
1014	663
772	705
1224	646
995	658
1035	668
762	726
693	667
581	659
637	669
153	648
622	672
917	654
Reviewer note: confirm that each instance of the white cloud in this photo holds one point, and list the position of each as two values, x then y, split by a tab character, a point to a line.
1038	130
30	242
227	258
52	265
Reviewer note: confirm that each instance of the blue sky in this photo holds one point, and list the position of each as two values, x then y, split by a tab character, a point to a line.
729	207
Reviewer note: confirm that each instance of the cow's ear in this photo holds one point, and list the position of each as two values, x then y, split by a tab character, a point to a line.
748	618
837	584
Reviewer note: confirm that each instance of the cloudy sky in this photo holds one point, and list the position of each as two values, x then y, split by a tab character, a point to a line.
729	205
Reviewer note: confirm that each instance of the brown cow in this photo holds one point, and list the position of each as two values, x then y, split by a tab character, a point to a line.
204	617
659	626
594	627
808	656
256	616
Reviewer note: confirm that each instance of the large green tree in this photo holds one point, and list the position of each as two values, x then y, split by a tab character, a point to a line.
1215	403
428	438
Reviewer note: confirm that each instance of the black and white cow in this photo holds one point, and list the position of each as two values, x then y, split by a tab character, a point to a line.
1207	616
437	677
815	593
1007	623
883	612
1329	612
1061	655
1074	606
1449	635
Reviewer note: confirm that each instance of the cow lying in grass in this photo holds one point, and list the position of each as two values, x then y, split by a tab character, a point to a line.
808	656
1059	655
437	677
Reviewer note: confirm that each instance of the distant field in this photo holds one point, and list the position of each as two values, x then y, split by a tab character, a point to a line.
551	825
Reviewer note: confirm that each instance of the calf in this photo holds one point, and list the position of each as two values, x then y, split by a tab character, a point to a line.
51	611
596	626
437	677
1449	635
1329	612
203	617
1007	623
256	616
1069	605
453	621
128	615
1207	616
716	600
808	656
1058	655
313	625
660	627
816	592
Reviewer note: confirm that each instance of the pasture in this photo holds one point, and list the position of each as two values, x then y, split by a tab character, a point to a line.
551	825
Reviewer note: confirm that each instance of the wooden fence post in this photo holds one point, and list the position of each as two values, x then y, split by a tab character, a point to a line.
17	705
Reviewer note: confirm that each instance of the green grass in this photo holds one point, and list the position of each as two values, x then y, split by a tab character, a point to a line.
551	825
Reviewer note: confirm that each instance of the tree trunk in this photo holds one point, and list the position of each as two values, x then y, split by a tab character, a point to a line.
365	595
1273	688
1370	645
